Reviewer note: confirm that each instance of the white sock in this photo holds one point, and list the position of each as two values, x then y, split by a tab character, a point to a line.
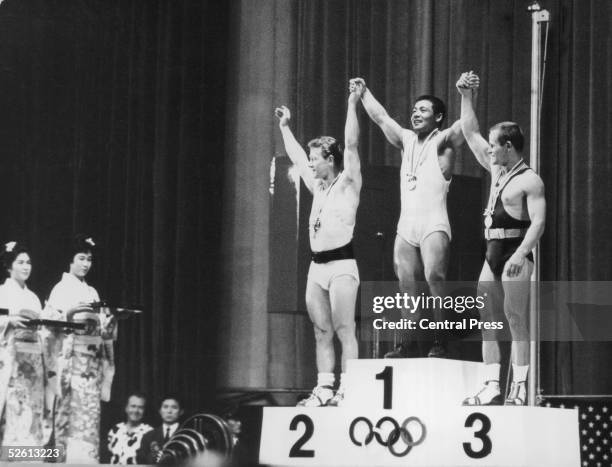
342	381
519	373
325	379
491	372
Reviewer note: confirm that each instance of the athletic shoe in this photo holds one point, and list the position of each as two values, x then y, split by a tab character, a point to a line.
438	351
338	399
319	397
403	350
517	394
486	396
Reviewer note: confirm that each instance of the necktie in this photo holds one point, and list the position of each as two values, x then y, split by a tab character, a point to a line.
167	435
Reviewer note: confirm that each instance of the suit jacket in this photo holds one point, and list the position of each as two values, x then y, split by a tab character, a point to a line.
150	440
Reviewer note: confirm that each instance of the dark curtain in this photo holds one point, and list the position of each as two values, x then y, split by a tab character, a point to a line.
112	124
406	48
576	168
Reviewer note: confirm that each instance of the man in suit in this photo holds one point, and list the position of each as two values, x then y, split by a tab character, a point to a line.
152	443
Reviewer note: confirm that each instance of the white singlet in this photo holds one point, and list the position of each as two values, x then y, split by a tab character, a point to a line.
423	209
331	225
332	217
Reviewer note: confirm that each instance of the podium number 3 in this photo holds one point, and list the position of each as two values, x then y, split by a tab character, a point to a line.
387	376
481	434
296	450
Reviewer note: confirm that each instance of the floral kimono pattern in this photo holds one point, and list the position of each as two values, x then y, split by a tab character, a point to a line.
25	411
85	368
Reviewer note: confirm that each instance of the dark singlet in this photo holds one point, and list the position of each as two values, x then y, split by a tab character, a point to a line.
500	250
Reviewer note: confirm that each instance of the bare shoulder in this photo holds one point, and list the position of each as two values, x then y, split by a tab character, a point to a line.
532	183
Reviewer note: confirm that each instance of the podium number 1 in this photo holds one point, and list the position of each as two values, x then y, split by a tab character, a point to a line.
387	376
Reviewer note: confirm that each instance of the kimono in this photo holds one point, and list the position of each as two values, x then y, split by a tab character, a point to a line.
25	408
85	368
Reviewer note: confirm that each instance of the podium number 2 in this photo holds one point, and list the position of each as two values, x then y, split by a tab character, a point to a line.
387	376
481	434
296	450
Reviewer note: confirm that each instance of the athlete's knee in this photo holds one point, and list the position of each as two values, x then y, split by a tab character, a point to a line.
345	331
323	335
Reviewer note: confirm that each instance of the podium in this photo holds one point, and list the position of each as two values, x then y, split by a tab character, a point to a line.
408	412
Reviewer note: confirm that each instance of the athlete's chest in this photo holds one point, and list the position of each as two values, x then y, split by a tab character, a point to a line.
513	195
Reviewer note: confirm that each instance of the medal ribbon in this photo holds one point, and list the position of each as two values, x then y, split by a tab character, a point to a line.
498	186
317	224
419	160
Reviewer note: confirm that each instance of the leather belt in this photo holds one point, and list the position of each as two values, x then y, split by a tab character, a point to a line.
500	234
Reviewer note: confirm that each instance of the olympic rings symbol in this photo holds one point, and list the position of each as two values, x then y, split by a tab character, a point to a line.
398	432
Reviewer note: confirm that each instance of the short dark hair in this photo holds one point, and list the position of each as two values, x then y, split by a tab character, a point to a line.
10	252
509	131
173	397
331	147
437	105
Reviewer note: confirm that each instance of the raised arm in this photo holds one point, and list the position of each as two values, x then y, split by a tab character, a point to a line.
453	136
352	164
536	206
467	86
378	114
294	150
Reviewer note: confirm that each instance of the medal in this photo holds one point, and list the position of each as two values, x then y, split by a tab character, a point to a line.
317	224
412	182
496	189
417	160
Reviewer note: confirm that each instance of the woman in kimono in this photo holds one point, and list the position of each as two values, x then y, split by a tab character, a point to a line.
85	364
23	411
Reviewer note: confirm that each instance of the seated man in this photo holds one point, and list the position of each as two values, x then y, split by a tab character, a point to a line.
124	438
152	443
514	222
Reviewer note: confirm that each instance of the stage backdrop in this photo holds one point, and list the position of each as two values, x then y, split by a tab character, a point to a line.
402	49
149	124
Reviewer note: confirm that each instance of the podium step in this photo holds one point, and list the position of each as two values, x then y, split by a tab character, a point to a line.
411	383
449	436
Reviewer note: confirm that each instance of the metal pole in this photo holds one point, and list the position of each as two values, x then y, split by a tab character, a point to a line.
538	16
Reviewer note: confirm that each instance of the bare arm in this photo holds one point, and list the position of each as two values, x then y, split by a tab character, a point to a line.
294	150
536	206
469	123
352	164
453	136
378	114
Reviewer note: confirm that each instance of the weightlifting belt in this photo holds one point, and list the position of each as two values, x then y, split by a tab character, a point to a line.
343	252
501	234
